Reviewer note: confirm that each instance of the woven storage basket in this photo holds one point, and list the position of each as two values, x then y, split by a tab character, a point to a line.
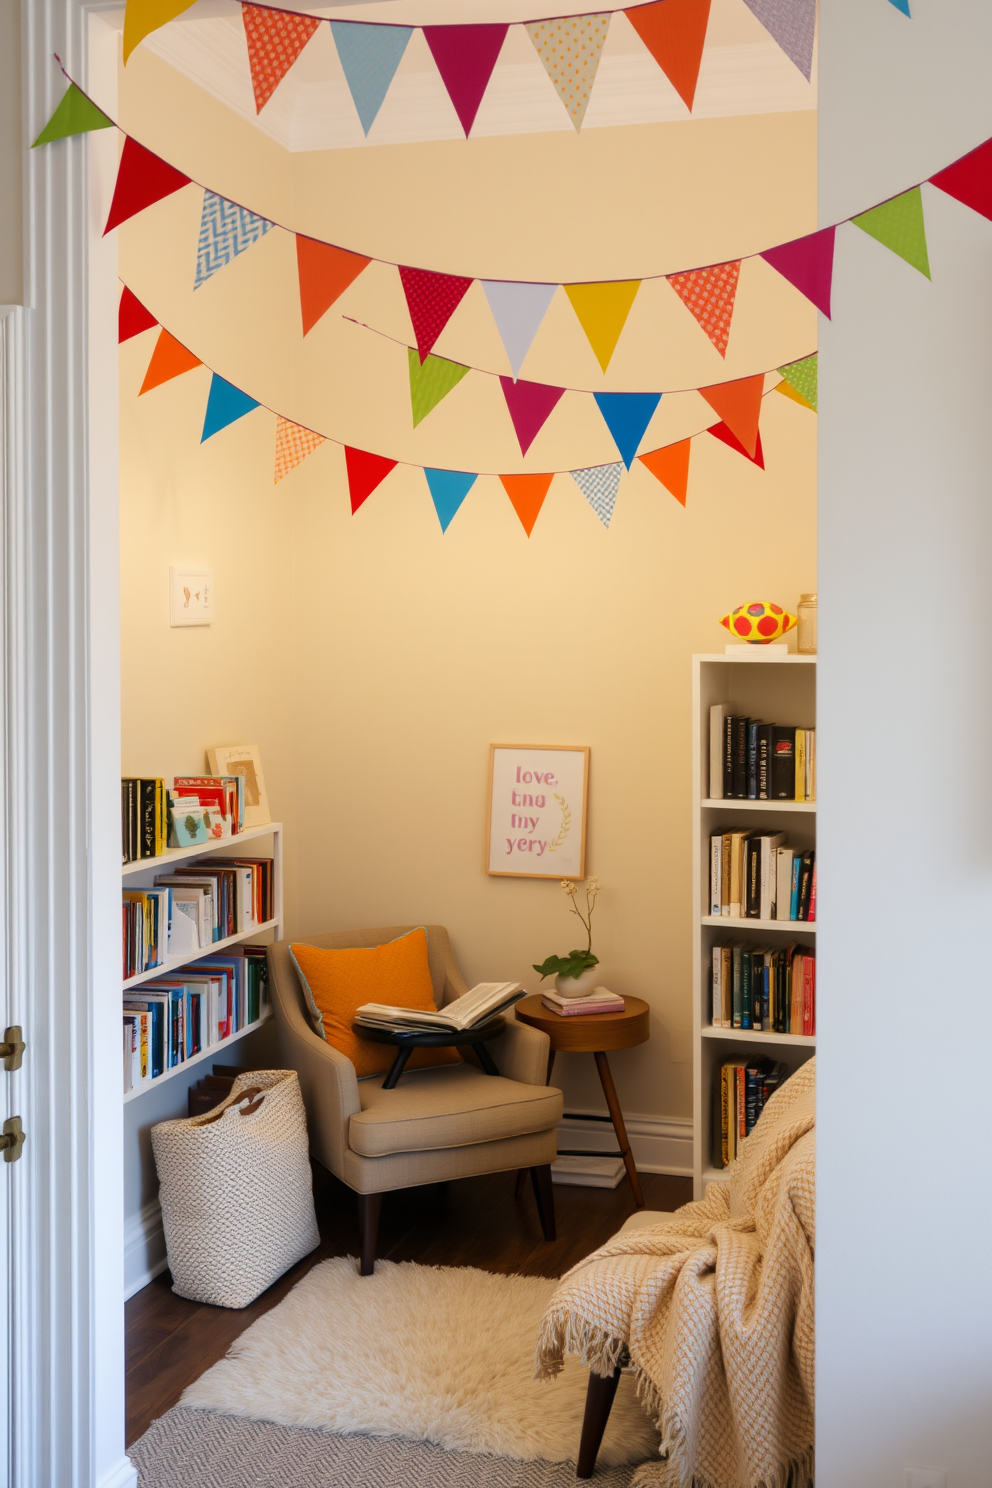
236	1191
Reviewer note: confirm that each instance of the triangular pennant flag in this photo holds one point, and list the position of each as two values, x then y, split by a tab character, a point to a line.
225	231
142	180
738	403
132	317
902	5
365	471
570	49
599	485
142	17
465	58
518	310
670	465
792	24
720	431
431	299
293	444
369	56
448	490
673	32
225	405
431	381
602	310
898	224
627	416
76	114
709	294
527	493
275	39
324	273
168	360
969	180
800	380
529	405
808	264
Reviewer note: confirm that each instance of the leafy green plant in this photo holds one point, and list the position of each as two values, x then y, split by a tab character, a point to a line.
572	965
576	962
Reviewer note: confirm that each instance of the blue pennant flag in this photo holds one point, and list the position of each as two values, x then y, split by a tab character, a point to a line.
902	5
599	485
627	416
448	490
225	405
225	231
370	56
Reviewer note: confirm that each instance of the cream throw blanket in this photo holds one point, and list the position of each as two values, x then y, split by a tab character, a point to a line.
715	1308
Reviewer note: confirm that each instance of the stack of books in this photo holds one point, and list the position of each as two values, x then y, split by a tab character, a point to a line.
757	876
193	907
156	813
484	1001
765	988
599	1000
144	818
740	1090
755	761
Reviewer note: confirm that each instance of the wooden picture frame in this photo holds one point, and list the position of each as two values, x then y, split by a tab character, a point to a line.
243	759
538	798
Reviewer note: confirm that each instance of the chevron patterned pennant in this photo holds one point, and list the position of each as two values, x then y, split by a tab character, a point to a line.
225	231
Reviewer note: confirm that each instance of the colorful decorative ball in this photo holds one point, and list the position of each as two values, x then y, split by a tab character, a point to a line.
759	622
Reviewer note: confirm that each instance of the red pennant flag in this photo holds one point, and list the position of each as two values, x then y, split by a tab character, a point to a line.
169	359
673	32
325	273
142	180
670	465
529	405
275	39
527	493
808	263
132	317
969	180
465	57
365	471
431	299
722	432
709	294
739	405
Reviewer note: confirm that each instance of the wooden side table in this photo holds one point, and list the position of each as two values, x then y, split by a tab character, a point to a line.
595	1033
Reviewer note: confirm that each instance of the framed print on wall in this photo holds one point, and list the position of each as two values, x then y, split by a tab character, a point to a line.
243	759
537	810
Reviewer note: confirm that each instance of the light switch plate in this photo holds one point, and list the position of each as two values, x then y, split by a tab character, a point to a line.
191	595
926	1477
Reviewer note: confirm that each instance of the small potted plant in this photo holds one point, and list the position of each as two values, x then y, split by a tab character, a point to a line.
575	974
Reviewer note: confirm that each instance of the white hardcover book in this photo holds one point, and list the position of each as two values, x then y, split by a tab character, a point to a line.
716	871
783	882
769	873
246	918
717	712
716	992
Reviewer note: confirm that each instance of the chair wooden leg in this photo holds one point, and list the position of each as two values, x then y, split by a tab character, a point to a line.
368	1229
599	1402
544	1193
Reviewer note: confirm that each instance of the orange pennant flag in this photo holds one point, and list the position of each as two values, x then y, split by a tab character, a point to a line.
325	273
169	359
738	404
709	295
293	444
670	466
527	493
275	39
790	392
673	32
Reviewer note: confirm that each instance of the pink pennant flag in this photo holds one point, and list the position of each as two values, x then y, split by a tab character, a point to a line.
465	57
808	263
293	444
529	405
709	294
431	299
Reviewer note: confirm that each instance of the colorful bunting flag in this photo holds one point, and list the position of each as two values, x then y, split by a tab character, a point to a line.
674	32
898	224
142	180
465	58
738	404
169	359
792	24
902	5
431	299
529	405
602	310
76	114
225	231
324	273
293	444
709	294
527	493
369	57
132	317
627	415
599	485
275	39
225	405
518	310
430	382
448	490
969	180
808	264
570	48
142	17
800	381
728	437
365	472
670	466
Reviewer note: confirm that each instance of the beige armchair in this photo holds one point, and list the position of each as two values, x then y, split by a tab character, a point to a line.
437	1124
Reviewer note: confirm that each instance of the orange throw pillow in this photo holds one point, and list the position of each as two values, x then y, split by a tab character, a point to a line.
338	982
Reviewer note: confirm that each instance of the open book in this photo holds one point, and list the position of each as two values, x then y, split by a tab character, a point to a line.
477	1006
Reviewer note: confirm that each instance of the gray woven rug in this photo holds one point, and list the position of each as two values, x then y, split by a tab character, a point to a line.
199	1449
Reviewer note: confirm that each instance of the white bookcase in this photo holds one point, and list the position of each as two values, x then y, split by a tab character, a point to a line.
780	688
263	841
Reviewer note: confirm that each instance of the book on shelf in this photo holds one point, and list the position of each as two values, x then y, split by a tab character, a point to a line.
144	818
483	1002
189	909
599	1000
756	875
157	813
750	760
763	988
741	1089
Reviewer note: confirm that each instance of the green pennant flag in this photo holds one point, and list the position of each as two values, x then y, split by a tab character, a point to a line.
74	115
431	382
899	225
801	377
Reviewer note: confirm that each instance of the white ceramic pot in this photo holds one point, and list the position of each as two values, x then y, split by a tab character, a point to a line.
577	986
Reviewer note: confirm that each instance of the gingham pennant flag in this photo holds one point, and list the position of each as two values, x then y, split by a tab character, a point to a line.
293	444
599	485
225	231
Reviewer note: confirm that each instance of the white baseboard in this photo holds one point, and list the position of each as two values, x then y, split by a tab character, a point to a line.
659	1145
144	1254
123	1475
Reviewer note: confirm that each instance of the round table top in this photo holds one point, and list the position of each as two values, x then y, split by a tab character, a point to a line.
432	1038
588	1033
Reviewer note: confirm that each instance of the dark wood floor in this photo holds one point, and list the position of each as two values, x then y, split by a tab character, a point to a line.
475	1222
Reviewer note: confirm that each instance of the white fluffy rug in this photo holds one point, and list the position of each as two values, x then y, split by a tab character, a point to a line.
429	1353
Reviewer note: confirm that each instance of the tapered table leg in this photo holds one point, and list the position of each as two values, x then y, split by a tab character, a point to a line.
616	1116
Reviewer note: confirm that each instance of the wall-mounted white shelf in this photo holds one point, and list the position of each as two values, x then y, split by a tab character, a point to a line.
210	1053
164	967
757	1036
790	927
229	846
736	804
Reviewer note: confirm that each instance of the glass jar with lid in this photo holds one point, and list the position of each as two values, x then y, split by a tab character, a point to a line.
806	633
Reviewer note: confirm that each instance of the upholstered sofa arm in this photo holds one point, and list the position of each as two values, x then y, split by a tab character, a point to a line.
521	1053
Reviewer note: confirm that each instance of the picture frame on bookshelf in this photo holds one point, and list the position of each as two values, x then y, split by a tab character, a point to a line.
538	797
244	760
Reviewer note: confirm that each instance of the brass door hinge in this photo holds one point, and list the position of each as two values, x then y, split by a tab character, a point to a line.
12	1048
12	1139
